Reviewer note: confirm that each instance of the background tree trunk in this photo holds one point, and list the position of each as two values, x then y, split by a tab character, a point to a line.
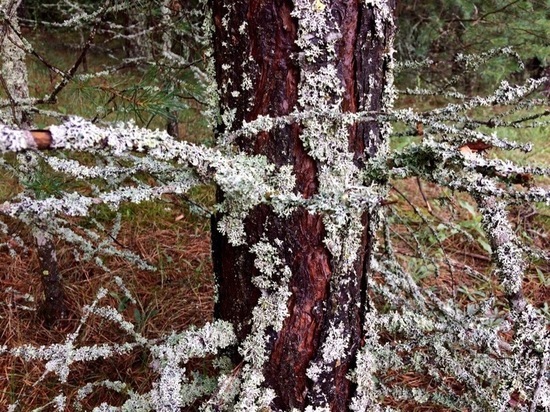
14	82
53	308
260	70
14	79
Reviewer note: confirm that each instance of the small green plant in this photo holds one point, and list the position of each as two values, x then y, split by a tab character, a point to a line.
474	226
45	183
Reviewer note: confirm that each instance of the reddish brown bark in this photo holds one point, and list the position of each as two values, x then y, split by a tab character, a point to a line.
264	50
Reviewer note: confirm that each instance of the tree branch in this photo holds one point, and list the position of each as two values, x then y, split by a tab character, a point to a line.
70	74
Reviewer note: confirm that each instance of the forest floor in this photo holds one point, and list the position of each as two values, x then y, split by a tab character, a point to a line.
180	292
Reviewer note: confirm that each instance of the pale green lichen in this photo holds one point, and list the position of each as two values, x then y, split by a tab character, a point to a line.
268	315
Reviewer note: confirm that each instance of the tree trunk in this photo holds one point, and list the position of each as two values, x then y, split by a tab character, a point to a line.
322	57
14	82
53	309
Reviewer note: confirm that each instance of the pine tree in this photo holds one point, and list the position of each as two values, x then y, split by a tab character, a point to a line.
293	284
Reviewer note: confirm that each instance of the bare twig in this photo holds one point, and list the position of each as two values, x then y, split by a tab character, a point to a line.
475	256
431	229
428	206
70	74
32	51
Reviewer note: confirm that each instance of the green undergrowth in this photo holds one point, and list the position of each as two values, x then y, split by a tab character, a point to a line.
127	93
